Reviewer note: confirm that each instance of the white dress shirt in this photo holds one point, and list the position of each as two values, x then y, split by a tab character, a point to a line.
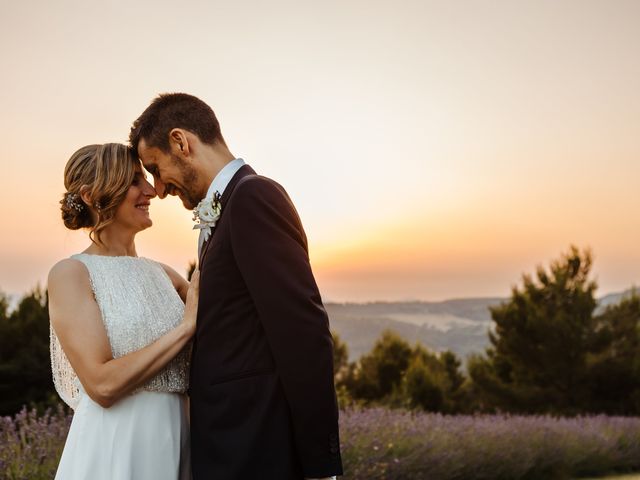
219	184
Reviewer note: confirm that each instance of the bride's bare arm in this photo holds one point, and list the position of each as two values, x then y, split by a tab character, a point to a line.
77	321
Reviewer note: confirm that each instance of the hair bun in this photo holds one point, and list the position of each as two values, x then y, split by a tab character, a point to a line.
75	214
106	172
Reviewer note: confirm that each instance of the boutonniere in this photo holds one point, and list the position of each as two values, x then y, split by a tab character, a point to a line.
207	213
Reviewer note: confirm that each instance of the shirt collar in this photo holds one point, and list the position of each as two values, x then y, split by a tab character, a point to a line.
224	176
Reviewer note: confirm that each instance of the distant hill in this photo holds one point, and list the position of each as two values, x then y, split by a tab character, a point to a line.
614	298
459	325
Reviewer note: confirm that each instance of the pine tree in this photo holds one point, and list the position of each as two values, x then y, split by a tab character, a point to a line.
615	363
538	359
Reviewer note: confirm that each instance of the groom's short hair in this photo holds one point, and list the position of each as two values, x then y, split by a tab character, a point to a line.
174	110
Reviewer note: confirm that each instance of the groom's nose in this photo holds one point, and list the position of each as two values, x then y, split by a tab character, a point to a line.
160	187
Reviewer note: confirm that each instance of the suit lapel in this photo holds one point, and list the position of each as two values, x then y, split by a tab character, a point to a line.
239	175
242	172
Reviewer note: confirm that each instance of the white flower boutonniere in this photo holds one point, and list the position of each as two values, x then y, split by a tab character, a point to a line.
207	213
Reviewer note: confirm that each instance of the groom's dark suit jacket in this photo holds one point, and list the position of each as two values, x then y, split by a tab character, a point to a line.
263	404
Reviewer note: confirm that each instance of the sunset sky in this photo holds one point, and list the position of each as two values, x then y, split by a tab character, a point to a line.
433	149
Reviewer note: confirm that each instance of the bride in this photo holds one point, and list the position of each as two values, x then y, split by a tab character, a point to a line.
120	330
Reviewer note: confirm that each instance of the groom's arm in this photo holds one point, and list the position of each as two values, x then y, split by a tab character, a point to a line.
270	248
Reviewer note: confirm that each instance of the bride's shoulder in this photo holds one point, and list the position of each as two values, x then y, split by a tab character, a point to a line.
68	270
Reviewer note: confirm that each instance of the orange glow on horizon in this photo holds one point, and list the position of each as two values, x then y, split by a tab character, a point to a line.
437	150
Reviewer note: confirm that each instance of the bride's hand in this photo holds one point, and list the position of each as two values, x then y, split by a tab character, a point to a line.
191	305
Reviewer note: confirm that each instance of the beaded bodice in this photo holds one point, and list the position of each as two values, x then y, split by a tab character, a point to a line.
138	304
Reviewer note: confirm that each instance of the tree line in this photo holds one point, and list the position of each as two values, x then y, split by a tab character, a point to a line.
25	364
552	350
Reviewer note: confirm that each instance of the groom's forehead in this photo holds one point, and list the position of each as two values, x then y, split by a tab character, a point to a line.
147	154
142	147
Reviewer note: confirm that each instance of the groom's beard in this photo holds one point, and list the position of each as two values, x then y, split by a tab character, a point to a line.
190	198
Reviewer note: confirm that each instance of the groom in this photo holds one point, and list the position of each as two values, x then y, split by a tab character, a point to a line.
263	404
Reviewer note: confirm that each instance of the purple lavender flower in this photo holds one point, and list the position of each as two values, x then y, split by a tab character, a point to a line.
31	445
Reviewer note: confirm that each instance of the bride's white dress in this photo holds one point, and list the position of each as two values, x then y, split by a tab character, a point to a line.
144	436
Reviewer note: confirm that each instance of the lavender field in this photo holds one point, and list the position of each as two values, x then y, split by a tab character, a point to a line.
380	443
396	444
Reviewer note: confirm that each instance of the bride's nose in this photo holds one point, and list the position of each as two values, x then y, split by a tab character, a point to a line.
148	190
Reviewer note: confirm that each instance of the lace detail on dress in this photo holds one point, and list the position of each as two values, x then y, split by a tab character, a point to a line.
138	304
64	378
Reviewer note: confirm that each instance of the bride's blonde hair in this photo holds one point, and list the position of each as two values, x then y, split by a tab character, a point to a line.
106	172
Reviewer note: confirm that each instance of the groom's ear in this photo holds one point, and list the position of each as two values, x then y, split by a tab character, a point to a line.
179	143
